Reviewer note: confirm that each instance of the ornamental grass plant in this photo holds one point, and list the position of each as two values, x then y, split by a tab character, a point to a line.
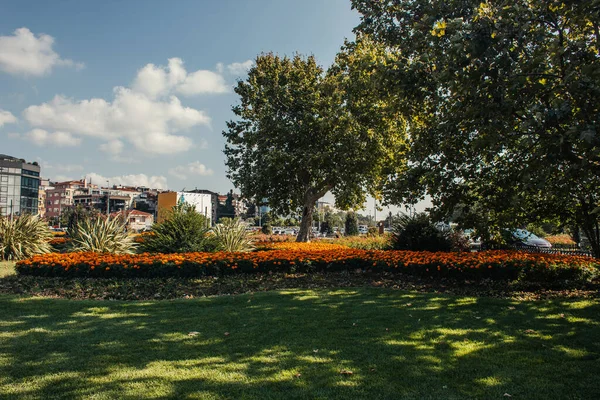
23	236
101	235
231	235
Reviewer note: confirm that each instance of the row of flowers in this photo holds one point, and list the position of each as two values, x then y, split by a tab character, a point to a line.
509	265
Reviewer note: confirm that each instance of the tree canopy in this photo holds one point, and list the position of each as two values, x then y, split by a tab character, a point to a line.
502	100
295	137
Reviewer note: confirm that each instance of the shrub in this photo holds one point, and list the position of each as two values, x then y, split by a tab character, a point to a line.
550	269
266	229
183	230
379	242
561	240
23	237
351	225
231	235
418	233
101	235
458	241
261	237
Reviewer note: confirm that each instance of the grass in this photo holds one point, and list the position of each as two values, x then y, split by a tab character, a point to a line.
300	344
7	268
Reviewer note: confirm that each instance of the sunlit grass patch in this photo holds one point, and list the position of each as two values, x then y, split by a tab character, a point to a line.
300	344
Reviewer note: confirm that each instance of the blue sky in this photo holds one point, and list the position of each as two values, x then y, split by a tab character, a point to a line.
138	92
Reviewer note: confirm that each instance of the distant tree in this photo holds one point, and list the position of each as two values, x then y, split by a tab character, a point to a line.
266	229
72	216
351	225
327	224
226	210
295	138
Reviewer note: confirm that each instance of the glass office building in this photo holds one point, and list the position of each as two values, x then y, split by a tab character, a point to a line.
19	186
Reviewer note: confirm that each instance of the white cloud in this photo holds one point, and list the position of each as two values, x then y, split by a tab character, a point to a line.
24	53
156	81
240	68
148	115
6	117
67	167
40	137
113	147
150	125
193	168
154	182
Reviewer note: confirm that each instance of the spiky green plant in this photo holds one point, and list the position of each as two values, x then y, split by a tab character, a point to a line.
102	235
183	230
231	235
23	236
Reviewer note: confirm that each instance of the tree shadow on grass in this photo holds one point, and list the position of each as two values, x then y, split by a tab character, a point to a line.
347	343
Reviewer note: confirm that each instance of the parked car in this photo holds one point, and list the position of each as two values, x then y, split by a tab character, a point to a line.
526	238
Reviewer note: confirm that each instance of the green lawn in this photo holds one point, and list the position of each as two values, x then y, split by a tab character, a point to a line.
296	344
7	268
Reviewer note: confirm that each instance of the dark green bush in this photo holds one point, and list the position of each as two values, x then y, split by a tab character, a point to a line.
184	230
418	233
351	224
266	229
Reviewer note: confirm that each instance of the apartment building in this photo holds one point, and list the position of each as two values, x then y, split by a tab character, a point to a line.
204	201
62	195
19	186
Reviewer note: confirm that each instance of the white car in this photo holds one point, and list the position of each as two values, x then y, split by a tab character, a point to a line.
527	238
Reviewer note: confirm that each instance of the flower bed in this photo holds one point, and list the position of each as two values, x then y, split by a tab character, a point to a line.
506	265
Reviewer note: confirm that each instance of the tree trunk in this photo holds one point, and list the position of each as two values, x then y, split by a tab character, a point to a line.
589	226
310	197
306	222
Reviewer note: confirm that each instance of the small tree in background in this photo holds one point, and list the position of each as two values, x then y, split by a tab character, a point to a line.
351	224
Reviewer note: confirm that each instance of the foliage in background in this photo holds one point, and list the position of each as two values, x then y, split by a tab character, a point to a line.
351	225
418	233
458	241
502	99
71	216
226	210
261	237
266	229
231	235
294	139
183	230
23	237
101	235
558	240
536	229
378	242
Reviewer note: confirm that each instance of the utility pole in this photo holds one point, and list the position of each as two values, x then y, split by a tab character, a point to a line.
259	216
375	211
107	199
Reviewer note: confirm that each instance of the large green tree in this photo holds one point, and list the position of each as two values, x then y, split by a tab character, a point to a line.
503	101
295	137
